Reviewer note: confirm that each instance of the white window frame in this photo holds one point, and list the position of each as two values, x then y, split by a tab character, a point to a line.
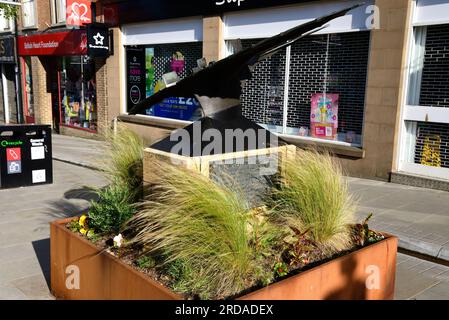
31	3
416	113
58	12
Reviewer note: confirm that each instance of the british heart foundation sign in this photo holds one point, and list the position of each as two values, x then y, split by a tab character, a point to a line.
324	116
78	12
67	43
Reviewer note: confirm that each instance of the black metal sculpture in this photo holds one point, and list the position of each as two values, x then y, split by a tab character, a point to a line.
218	87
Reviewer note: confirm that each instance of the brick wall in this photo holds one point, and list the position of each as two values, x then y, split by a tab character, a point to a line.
435	78
41	90
103	122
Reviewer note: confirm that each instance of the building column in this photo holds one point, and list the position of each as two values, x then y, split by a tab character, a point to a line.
213	38
384	92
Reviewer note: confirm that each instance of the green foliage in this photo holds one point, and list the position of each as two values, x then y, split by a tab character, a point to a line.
280	269
112	210
312	196
145	262
202	227
74	226
362	235
124	162
8	11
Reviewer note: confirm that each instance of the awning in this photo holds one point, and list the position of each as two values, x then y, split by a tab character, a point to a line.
67	43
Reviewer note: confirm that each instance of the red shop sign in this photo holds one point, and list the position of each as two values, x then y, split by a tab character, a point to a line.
69	43
78	12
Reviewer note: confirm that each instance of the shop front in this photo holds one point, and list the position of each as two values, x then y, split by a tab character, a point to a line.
425	118
71	80
157	55
312	91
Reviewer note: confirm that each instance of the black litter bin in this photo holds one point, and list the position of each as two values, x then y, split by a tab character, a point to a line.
25	156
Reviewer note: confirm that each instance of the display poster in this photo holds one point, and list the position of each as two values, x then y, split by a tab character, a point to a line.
149	71
178	62
176	108
324	115
136	74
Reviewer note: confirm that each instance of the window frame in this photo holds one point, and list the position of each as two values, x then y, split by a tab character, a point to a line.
34	14
55	10
411	113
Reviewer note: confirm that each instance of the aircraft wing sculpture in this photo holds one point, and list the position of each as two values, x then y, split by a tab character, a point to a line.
218	87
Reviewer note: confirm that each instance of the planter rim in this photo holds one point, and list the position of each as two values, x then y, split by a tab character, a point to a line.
61	224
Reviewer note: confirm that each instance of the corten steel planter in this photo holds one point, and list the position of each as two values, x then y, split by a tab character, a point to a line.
105	277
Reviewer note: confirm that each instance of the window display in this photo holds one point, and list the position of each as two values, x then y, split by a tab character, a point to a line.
152	68
309	90
78	93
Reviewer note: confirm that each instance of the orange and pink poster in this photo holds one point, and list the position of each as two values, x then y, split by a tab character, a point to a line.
324	115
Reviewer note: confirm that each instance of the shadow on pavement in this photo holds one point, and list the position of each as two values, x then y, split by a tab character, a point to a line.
42	250
84	193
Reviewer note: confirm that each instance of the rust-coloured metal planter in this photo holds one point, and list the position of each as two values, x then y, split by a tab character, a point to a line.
368	273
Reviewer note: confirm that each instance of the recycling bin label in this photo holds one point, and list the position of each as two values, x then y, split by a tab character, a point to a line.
25	156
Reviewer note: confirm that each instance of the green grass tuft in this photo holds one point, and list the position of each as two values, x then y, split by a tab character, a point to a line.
312	196
124	160
203	230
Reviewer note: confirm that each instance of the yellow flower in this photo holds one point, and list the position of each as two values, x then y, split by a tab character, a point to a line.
82	220
83	231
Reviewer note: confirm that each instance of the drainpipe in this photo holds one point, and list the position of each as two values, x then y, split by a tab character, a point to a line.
18	75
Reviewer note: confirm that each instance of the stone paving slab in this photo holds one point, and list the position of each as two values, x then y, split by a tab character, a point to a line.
418	217
84	152
418	279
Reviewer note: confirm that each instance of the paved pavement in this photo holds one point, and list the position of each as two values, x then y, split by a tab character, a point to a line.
78	151
24	229
418	279
418	216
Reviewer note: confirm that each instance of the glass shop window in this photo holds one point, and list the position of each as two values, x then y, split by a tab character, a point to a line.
314	89
427	140
78	93
152	68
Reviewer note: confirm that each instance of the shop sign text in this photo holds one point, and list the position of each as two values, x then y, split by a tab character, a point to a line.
222	2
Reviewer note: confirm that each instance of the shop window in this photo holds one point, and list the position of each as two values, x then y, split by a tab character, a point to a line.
78	93
151	68
430	145
58	11
426	113
28	97
429	67
325	94
28	13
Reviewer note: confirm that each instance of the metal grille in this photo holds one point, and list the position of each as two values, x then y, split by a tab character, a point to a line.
262	96
432	144
163	54
435	77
